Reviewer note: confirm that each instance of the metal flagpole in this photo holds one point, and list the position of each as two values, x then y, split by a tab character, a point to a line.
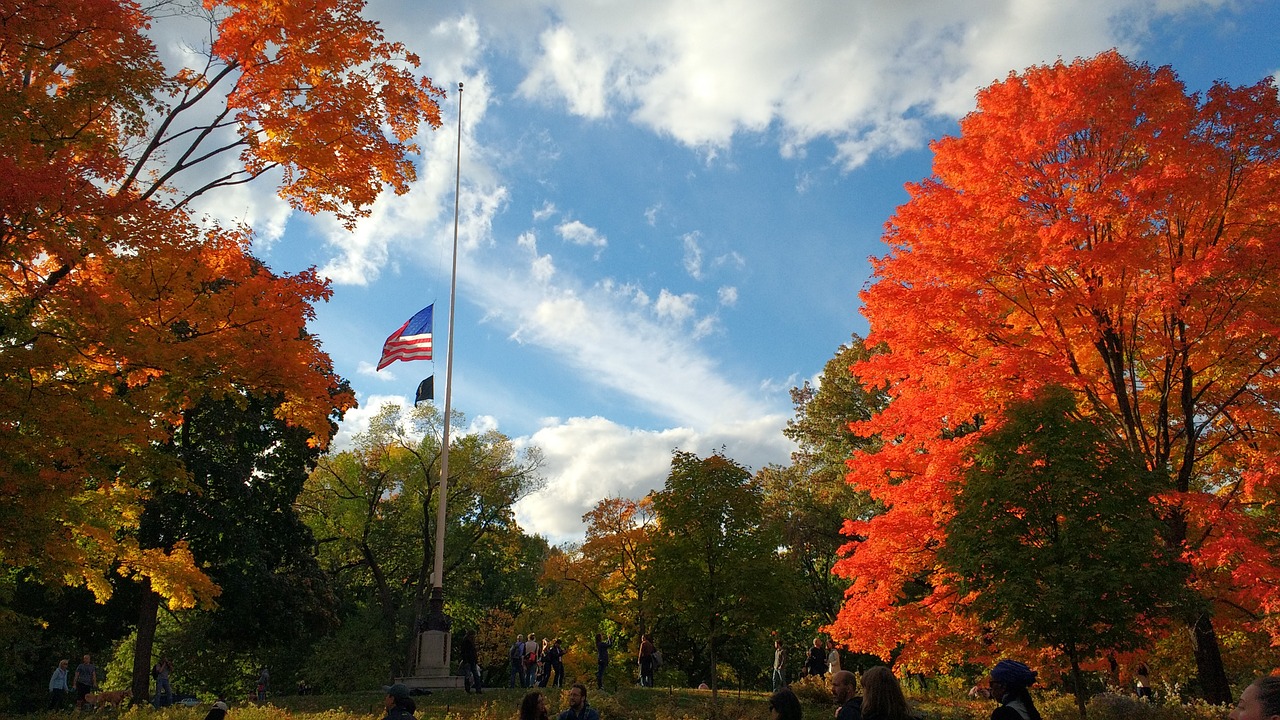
436	619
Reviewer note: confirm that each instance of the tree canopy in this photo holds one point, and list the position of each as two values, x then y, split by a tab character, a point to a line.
1093	225
119	311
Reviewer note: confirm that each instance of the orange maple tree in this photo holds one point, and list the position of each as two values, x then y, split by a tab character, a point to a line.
1093	225
118	310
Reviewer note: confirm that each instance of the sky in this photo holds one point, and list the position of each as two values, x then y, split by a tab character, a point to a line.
668	207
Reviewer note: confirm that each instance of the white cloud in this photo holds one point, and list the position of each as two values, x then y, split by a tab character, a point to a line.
677	308
594	458
651	214
579	234
547	210
368	369
692	254
728	296
861	74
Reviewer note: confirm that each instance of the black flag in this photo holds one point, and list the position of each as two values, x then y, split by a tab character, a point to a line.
426	390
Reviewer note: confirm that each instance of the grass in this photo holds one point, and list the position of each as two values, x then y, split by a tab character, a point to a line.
634	703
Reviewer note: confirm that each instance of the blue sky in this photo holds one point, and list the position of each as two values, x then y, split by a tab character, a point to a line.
668	206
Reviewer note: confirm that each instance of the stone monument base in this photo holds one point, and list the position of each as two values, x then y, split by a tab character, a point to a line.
432	669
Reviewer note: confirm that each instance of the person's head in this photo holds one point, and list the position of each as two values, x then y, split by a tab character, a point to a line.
1259	701
599	638
520	637
531	637
533	706
784	705
397	696
86	658
557	642
844	686
817	642
1010	677
577	696
63	664
881	693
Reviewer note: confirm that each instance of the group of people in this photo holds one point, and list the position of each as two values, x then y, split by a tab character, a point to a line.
534	665
61	682
881	698
819	661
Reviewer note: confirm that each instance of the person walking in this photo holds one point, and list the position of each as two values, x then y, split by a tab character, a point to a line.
58	687
86	679
470	662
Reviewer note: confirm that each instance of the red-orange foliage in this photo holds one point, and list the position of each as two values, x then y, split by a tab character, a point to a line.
117	310
1092	225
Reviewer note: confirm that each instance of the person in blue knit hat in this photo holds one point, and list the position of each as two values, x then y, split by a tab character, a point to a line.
1010	680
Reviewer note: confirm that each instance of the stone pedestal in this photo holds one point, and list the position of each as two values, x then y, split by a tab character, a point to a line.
432	668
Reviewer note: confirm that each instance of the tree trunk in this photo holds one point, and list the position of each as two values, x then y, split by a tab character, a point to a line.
1213	678
148	612
1077	683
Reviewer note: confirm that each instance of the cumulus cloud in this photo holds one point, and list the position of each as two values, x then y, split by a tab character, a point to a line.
677	308
728	296
579	234
592	458
861	74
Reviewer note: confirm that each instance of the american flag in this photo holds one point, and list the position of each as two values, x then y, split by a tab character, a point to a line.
411	342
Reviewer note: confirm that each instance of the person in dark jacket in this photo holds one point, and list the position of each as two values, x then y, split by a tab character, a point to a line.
470	662
602	659
578	707
647	650
398	703
844	688
1009	683
816	661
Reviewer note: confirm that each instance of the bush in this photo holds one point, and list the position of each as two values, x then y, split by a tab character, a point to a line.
813	690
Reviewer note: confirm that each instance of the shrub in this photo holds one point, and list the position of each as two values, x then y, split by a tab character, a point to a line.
813	690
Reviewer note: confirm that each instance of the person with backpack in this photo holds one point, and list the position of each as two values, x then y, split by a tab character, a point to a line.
515	656
531	661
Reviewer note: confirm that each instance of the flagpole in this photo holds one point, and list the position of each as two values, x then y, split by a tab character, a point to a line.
436	614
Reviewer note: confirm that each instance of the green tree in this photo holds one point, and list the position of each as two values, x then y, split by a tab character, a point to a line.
234	510
715	570
1055	535
373	511
810	499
